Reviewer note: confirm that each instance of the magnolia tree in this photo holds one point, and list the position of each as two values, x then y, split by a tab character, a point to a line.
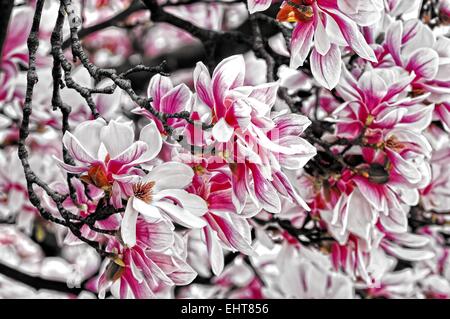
225	149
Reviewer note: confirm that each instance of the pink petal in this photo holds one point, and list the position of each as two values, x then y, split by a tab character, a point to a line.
158	236
202	84
394	41
352	36
373	193
228	74
301	42
158	87
373	87
265	192
176	100
424	63
70	168
228	233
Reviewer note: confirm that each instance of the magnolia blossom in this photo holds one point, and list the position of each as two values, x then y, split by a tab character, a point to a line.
394	154
146	269
105	152
249	138
161	193
224	227
191	149
324	26
307	274
413	46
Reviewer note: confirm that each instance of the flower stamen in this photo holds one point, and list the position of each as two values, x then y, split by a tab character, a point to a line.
143	191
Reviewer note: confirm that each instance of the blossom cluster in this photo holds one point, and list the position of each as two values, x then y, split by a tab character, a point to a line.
305	162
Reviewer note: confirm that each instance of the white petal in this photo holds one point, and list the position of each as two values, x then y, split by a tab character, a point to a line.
215	251
128	227
222	132
327	68
180	215
170	175
151	136
149	211
117	137
191	202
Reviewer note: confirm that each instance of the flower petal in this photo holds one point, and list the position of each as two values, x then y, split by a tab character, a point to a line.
180	215
128	226
158	87
327	68
76	149
214	251
170	175
150	135
202	84
149	211
117	137
191	202
221	131
176	100
258	5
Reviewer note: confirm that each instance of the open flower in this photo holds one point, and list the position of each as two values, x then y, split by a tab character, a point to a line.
379	100
248	138
413	46
224	226
146	269
161	193
324	26
105	152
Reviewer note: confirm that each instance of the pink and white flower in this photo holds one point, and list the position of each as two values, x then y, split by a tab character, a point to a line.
254	143
161	193
324	26
224	227
105	152
146	269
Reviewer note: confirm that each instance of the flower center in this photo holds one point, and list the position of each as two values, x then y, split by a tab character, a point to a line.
199	169
296	11
115	269
394	144
97	176
143	191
